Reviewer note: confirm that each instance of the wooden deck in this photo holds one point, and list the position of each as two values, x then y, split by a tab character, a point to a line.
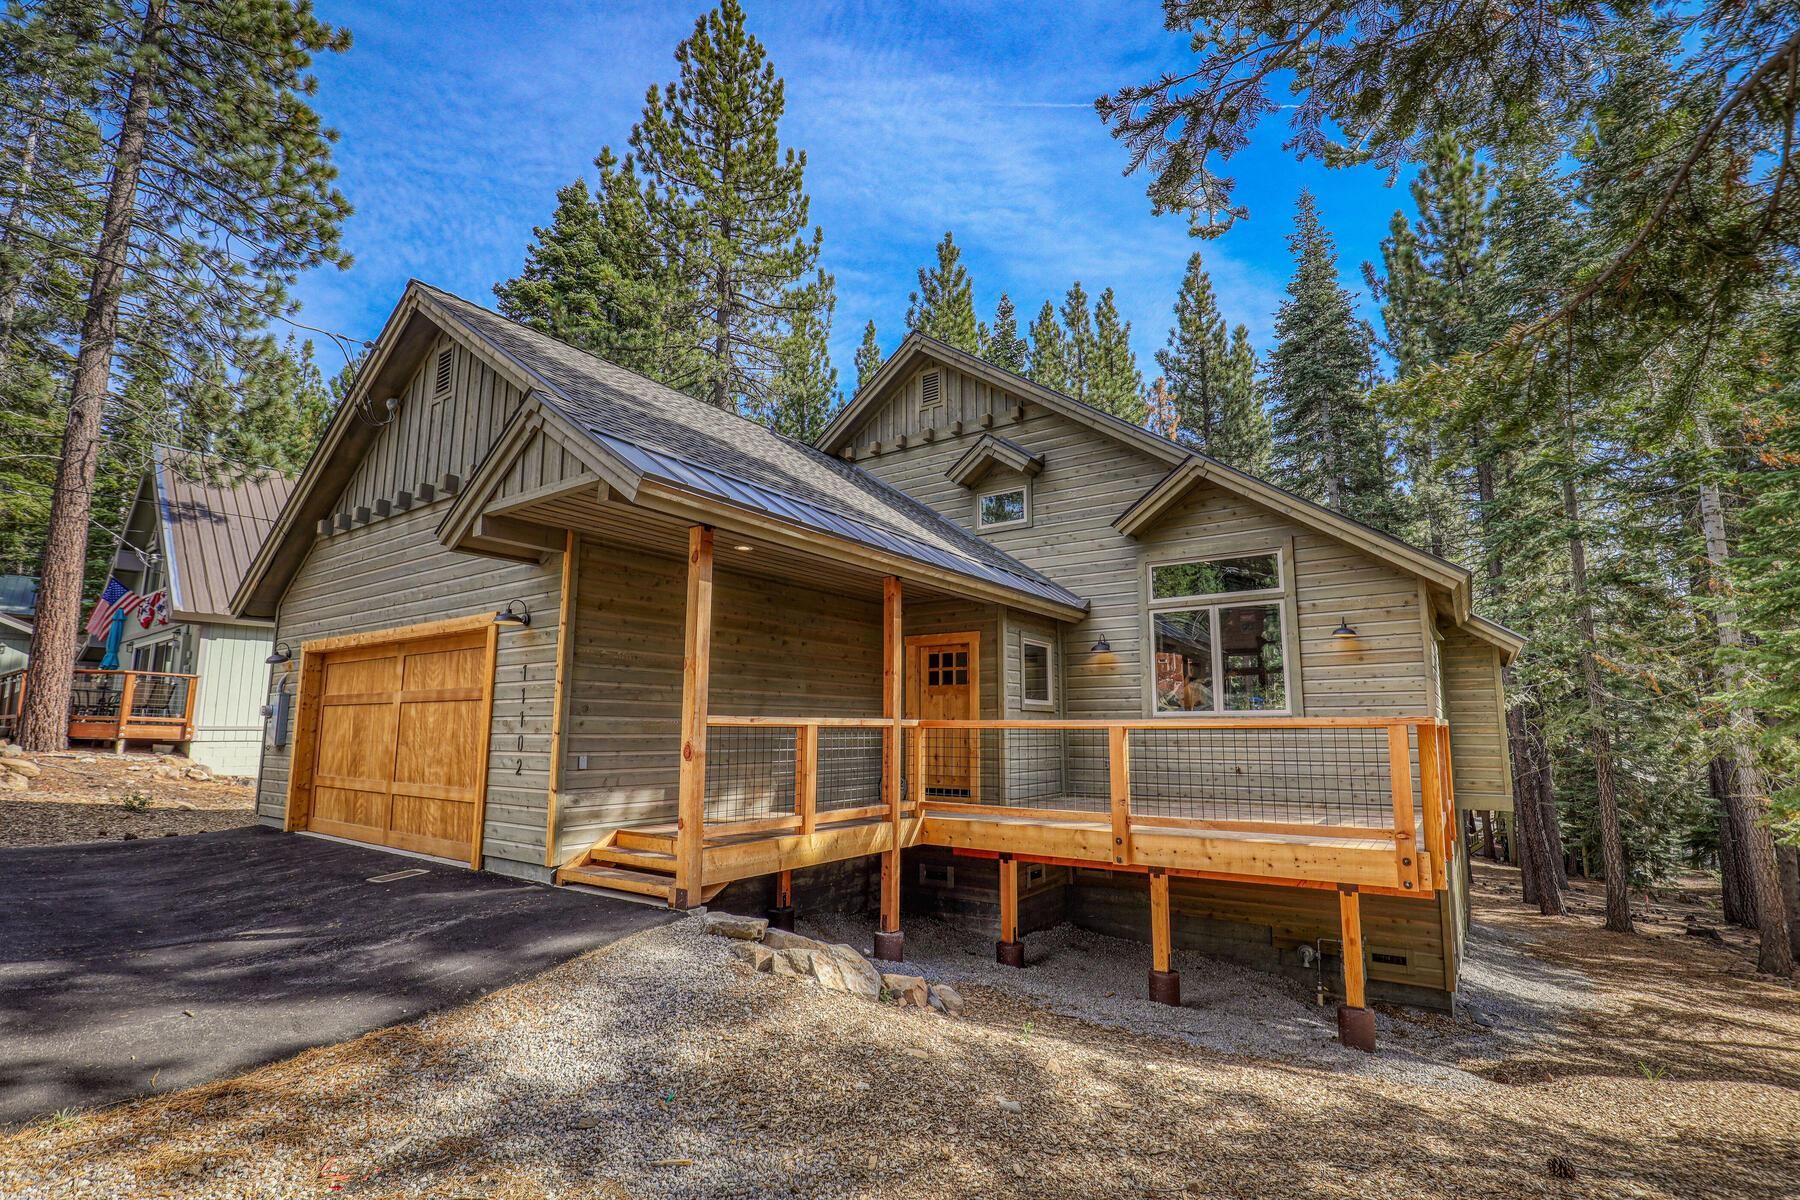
115	706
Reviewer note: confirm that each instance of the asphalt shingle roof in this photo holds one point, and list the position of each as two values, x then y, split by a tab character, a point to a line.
690	444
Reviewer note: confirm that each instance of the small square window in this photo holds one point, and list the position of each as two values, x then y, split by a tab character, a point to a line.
999	509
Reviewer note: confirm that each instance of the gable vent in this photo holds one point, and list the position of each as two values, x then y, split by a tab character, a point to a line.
929	394
446	359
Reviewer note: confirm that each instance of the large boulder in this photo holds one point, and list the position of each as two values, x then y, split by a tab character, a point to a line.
13	783
21	766
784	939
744	929
946	999
10	750
907	989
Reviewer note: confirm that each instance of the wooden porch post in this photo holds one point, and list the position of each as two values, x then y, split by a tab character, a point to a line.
696	675
1165	983
127	696
889	943
1009	951
1356	1024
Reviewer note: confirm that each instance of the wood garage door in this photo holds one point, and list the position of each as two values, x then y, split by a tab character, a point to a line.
401	753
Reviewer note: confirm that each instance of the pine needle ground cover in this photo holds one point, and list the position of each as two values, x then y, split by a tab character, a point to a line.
1648	1066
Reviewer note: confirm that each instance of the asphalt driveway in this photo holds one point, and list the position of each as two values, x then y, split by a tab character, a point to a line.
147	966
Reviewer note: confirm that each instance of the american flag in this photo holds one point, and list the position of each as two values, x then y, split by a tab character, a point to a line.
115	597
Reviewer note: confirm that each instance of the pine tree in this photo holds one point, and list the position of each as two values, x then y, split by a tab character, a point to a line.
1328	440
219	190
1049	351
1194	361
1078	332
1005	348
592	278
944	305
1115	383
868	357
804	393
1244	438
726	209
1164	418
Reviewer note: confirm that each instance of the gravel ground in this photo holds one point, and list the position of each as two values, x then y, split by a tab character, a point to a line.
661	1067
83	797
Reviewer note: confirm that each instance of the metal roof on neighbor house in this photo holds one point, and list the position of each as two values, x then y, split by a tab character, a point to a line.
212	526
662	434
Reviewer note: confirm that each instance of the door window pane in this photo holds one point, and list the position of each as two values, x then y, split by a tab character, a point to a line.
1184	661
1251	573
1250	643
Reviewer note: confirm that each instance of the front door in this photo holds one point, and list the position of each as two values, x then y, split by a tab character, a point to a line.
943	683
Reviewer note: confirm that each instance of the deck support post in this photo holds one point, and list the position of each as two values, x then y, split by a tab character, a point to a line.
1009	951
696	677
1356	1024
127	696
890	943
1165	982
781	916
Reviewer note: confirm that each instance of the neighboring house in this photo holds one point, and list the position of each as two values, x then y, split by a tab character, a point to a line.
1066	667
15	643
191	532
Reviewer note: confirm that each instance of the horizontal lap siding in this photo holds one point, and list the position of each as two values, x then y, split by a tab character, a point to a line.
778	650
227	709
1478	750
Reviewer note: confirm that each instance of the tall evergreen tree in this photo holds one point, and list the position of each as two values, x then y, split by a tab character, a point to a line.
593	278
944	305
726	208
1244	438
1115	384
219	189
1329	445
1005	348
804	393
1164	418
868	357
1078	333
1194	361
1050	365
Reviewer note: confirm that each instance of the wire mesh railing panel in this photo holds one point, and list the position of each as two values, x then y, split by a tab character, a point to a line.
1017	768
1336	775
849	768
749	773
96	695
160	697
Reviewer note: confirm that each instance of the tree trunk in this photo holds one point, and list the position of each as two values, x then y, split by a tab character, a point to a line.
1606	793
1487	836
15	216
1734	881
1745	790
1537	872
1789	859
56	640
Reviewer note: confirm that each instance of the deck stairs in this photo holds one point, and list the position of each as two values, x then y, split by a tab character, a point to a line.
638	861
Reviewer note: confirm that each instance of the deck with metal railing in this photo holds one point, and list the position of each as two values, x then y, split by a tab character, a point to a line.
115	706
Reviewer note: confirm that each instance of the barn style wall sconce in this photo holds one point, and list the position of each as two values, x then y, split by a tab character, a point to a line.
515	613
1344	629
280	655
1101	647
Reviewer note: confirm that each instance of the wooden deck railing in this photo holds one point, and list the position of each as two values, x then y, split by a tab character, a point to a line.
115	706
1356	779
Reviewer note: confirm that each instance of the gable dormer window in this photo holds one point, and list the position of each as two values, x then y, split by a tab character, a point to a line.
931	394
446	360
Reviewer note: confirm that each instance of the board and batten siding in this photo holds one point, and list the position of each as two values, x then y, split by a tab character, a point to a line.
392	572
778	649
435	431
1479	758
228	726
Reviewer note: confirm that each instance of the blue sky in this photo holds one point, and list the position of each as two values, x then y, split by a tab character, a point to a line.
460	120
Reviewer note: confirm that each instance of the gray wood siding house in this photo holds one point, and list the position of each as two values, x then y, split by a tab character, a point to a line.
977	624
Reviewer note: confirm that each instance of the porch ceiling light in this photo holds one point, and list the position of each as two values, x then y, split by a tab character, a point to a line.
742	549
1102	646
1344	629
280	655
515	613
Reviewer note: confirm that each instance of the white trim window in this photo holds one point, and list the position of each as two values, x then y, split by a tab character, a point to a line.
1037	673
1218	637
1003	508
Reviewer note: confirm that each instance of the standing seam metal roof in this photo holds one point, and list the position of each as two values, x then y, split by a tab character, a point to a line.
211	530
